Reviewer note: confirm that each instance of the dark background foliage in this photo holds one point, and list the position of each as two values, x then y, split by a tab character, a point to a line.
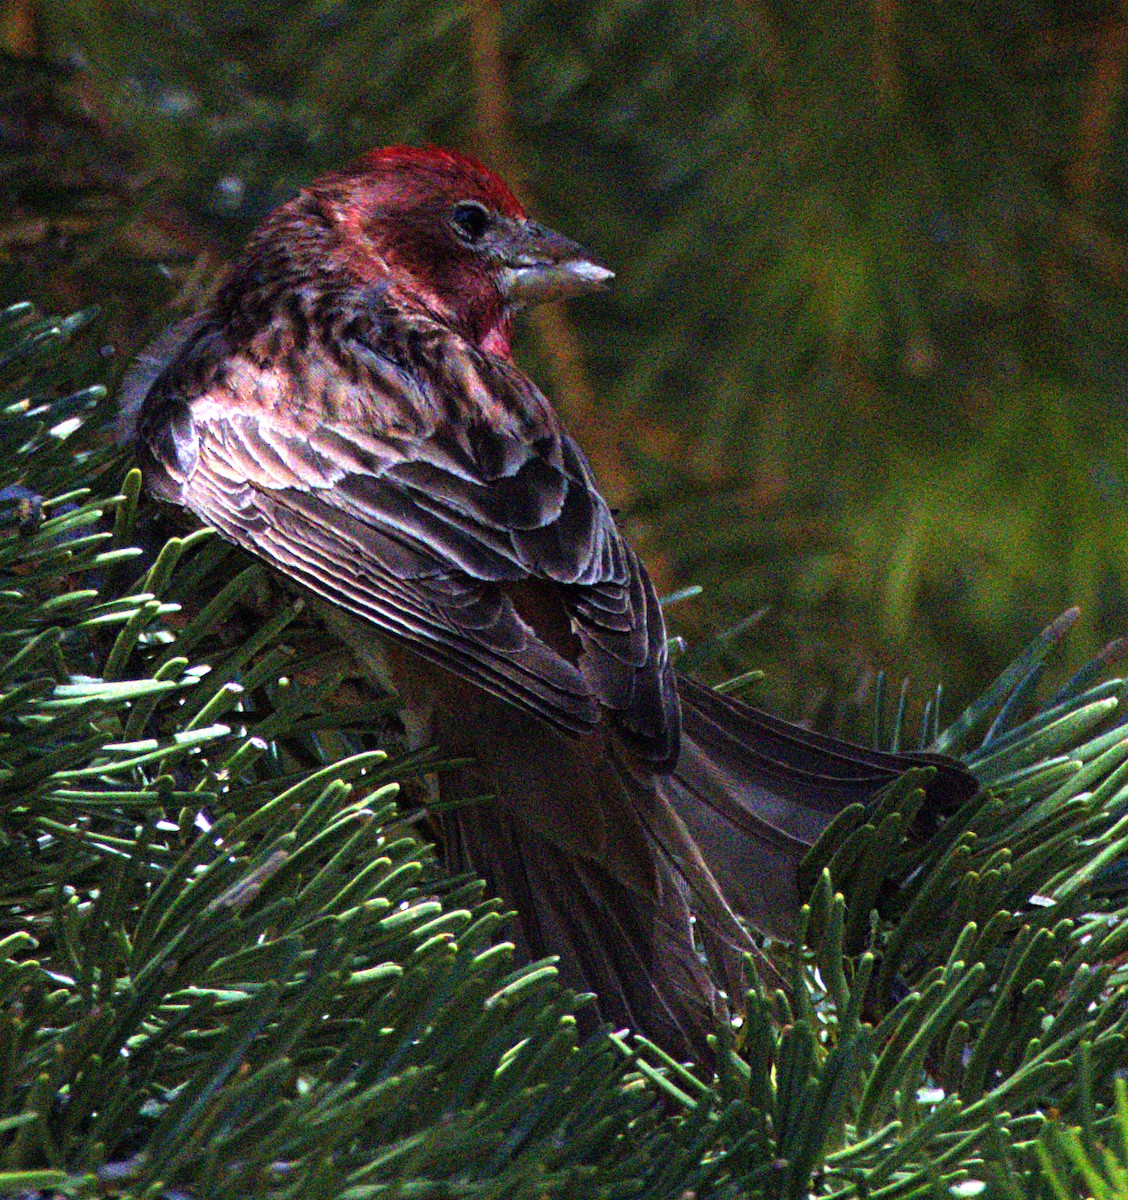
863	363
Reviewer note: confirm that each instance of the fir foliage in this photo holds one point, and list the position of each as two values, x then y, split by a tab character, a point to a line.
231	968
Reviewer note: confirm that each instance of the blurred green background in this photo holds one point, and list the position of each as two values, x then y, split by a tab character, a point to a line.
862	373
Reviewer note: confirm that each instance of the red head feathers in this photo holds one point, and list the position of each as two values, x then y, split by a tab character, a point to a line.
437	228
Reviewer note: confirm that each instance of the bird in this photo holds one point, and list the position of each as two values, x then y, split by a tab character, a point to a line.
347	408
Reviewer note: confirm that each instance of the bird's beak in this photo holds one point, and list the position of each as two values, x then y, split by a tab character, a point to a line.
538	264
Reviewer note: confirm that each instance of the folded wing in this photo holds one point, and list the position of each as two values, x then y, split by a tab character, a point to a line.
430	525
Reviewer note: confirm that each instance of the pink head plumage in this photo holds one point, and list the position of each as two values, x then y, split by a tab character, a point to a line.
449	168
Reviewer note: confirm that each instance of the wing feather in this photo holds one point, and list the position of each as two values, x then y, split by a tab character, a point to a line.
413	486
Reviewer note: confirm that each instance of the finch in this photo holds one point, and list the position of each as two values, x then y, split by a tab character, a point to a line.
347	409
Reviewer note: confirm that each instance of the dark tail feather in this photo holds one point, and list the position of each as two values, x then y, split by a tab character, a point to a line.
756	792
637	955
606	862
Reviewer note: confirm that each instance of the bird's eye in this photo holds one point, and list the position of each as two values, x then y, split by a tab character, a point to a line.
470	220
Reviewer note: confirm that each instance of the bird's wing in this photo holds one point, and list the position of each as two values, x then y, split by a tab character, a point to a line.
426	487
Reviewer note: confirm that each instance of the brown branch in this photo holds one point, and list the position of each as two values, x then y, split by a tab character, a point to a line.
18	33
754	18
886	76
598	432
1102	96
491	94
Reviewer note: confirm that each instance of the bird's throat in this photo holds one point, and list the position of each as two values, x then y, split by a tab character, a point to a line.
498	338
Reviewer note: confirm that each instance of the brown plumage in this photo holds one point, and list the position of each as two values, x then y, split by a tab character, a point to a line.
348	410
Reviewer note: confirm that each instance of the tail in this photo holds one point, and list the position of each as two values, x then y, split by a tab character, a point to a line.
755	793
634	951
609	865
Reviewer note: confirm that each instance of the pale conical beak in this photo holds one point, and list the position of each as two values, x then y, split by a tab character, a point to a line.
538	264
